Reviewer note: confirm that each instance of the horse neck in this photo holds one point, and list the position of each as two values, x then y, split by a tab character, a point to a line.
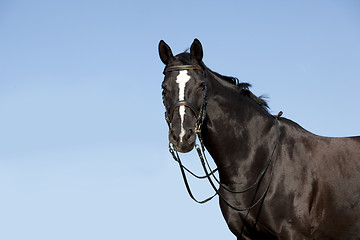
239	133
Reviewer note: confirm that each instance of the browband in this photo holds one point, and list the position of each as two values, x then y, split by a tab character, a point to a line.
182	67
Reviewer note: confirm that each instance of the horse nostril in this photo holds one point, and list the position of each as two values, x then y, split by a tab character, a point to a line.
189	134
190	131
174	137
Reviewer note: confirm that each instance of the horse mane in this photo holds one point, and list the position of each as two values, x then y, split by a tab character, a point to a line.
243	87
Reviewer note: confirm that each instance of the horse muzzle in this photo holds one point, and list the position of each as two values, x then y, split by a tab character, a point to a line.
184	142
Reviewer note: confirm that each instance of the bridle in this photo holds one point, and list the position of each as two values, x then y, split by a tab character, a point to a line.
200	115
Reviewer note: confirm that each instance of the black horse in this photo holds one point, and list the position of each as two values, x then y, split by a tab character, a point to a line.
276	180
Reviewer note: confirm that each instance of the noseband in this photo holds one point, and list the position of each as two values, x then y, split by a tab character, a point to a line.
183	103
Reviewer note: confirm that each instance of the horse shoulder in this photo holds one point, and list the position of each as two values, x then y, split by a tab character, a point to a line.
322	177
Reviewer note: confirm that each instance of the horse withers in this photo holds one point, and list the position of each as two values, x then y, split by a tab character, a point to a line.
276	180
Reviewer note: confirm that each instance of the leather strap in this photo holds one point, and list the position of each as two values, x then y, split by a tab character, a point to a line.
182	67
183	103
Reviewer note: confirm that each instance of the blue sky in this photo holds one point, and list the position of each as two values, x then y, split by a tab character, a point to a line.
83	140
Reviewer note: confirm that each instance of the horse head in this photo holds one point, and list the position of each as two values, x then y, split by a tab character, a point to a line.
184	93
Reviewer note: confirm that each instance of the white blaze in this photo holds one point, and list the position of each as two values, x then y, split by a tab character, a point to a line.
181	80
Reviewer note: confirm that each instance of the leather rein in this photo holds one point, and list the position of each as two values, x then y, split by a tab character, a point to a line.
200	115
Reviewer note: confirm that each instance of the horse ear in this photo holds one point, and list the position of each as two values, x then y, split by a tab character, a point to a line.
165	52
196	50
